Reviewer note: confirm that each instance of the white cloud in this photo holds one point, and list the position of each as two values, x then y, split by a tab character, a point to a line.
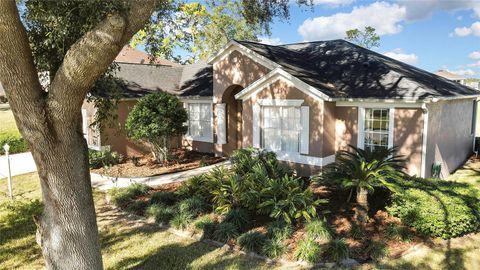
474	65
463	72
333	3
417	10
473	30
398	54
270	40
475	55
383	16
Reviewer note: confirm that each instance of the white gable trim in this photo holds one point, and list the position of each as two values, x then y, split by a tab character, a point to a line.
235	46
280	74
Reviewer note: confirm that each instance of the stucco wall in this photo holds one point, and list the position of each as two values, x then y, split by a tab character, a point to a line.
346	128
408	137
449	137
282	90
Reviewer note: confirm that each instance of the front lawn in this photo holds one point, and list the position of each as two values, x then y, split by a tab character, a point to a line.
9	133
127	243
8	125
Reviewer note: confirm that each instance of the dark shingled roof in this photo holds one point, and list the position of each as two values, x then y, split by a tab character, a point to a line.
136	80
341	69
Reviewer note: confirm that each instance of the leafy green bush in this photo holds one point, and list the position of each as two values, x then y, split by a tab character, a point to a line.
205	224
225	231
252	241
319	229
16	142
136	206
122	196
181	221
239	217
279	229
104	158
273	248
162	213
284	198
437	207
337	250
164	197
308	250
192	206
377	250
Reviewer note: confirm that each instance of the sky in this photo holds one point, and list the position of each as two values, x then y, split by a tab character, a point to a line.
429	34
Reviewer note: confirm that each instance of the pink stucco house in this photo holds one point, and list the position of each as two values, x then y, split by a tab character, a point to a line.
306	101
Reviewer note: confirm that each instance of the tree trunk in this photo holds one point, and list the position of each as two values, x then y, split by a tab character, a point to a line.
67	229
361	213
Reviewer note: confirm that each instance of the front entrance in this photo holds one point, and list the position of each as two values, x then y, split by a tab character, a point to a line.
233	121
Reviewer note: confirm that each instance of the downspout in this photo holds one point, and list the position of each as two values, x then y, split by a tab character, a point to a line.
424	138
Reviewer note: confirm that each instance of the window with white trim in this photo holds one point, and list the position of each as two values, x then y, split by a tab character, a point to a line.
200	120
376	129
281	128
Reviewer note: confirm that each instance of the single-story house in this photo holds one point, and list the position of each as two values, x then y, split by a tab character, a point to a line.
306	101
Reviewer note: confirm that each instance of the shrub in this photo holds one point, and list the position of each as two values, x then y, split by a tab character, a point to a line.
273	248
16	142
225	231
193	206
104	158
181	221
437	207
337	250
279	229
122	196
156	118
233	193
395	231
356	231
239	217
252	241
205	224
164	197
284	198
319	229
136	206
162	213
377	250
308	250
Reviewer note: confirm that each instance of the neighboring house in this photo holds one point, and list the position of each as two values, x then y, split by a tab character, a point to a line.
306	101
451	76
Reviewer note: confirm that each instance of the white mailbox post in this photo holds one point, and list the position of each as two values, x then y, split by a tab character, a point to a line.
6	147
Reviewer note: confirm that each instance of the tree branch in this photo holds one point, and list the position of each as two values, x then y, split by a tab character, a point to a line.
90	57
19	76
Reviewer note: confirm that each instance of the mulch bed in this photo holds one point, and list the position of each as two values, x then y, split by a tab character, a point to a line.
145	166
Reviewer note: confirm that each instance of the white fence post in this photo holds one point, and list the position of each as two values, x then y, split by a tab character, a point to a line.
6	147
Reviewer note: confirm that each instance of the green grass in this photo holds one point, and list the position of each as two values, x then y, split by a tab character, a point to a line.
127	243
8	125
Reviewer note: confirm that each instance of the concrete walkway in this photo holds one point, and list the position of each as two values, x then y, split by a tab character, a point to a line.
103	182
19	163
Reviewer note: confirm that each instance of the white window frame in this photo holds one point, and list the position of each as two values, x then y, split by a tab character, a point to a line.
361	124
262	134
187	136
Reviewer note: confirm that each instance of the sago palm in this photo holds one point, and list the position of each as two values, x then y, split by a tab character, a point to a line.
362	171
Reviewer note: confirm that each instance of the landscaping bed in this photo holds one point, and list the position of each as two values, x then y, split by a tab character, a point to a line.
269	228
145	166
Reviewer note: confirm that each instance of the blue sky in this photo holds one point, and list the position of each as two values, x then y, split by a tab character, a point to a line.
430	34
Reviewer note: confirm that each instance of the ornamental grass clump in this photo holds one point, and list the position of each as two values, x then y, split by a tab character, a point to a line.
161	213
239	217
206	225
279	229
181	221
252	241
377	250
308	250
225	231
319	230
274	248
337	250
163	197
122	196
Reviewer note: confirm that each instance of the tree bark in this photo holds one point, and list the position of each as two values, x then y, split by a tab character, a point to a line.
51	125
362	205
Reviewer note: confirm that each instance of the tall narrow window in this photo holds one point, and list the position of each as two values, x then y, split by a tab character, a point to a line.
376	128
281	128
200	120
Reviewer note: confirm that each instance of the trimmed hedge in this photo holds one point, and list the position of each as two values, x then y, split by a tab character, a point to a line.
437	207
17	143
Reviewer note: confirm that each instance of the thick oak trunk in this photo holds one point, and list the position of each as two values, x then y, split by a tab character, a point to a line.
67	229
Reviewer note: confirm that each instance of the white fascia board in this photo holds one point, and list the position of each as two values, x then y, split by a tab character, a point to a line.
195	100
278	74
235	46
379	103
280	102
